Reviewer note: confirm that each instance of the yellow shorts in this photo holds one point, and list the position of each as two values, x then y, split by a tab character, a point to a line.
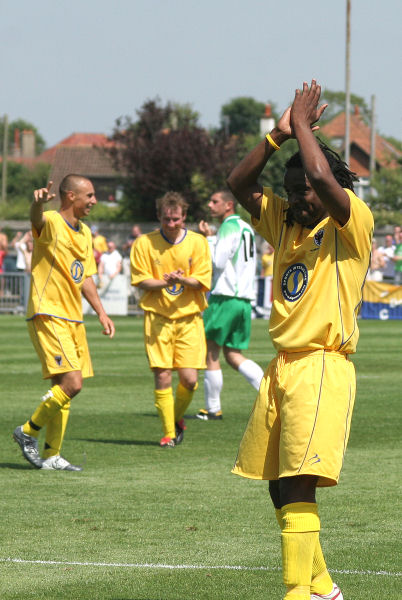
175	344
300	421
61	346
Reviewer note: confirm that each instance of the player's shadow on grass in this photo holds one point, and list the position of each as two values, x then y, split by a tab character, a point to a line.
17	466
119	442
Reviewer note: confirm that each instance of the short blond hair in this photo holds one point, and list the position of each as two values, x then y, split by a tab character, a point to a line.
171	200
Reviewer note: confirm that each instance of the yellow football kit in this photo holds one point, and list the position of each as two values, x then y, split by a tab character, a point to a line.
152	255
174	333
62	259
300	421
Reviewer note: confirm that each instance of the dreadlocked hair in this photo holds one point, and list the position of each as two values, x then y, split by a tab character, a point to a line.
340	170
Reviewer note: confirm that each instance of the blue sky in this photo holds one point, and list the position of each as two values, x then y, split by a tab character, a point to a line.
78	65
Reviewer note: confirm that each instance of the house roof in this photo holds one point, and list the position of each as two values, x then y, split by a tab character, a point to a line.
88	161
360	136
87	140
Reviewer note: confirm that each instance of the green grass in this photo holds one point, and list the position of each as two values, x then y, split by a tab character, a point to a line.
137	504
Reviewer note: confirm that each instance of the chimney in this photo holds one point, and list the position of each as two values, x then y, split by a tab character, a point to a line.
17	143
28	144
267	122
357	110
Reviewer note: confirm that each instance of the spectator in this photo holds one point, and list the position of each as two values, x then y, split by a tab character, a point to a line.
377	263
135	234
3	240
267	260
3	248
388	251
110	263
99	243
397	258
2	256
20	243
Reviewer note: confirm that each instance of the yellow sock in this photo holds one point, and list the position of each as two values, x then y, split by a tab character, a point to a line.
164	403
301	525
300	592
321	582
55	430
51	403
183	399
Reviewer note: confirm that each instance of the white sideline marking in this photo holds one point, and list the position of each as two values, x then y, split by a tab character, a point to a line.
172	567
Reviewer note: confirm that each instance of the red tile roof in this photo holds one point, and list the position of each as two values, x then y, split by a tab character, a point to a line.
74	140
82	160
360	138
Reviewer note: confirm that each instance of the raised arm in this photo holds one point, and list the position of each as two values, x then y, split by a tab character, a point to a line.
304	112
41	197
243	180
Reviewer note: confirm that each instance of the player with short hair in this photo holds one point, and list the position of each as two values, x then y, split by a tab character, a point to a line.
299	426
62	267
173	268
227	319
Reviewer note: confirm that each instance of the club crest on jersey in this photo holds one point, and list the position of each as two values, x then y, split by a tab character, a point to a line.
77	271
294	282
175	289
318	237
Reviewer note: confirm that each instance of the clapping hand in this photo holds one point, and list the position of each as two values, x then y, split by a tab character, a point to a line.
305	109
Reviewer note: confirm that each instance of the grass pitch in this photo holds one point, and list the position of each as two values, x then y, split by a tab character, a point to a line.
145	523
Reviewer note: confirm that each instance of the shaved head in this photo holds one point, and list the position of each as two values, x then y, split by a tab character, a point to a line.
70	183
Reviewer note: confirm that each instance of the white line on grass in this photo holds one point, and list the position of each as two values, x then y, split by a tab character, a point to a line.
182	567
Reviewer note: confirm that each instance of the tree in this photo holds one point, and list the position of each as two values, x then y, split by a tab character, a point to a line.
336	104
21	181
166	149
21	125
243	115
386	201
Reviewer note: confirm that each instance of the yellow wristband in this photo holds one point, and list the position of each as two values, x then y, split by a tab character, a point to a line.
271	141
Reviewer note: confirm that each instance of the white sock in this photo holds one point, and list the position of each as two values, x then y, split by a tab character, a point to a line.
252	372
213	382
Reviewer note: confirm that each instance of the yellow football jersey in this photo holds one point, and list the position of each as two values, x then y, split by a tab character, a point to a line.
62	259
152	255
318	276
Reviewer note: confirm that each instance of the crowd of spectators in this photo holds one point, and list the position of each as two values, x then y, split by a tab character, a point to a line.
386	260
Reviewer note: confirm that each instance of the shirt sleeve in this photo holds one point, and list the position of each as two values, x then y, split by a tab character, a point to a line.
273	213
139	260
357	232
47	232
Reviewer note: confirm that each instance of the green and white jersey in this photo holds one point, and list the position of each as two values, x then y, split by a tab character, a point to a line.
234	259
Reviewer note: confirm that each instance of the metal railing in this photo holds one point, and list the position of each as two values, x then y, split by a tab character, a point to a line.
14	288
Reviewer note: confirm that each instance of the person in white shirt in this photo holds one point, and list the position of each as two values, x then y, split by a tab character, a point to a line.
388	251
227	319
23	246
110	263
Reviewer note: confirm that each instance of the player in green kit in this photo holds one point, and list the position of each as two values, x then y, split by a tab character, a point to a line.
299	426
228	316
